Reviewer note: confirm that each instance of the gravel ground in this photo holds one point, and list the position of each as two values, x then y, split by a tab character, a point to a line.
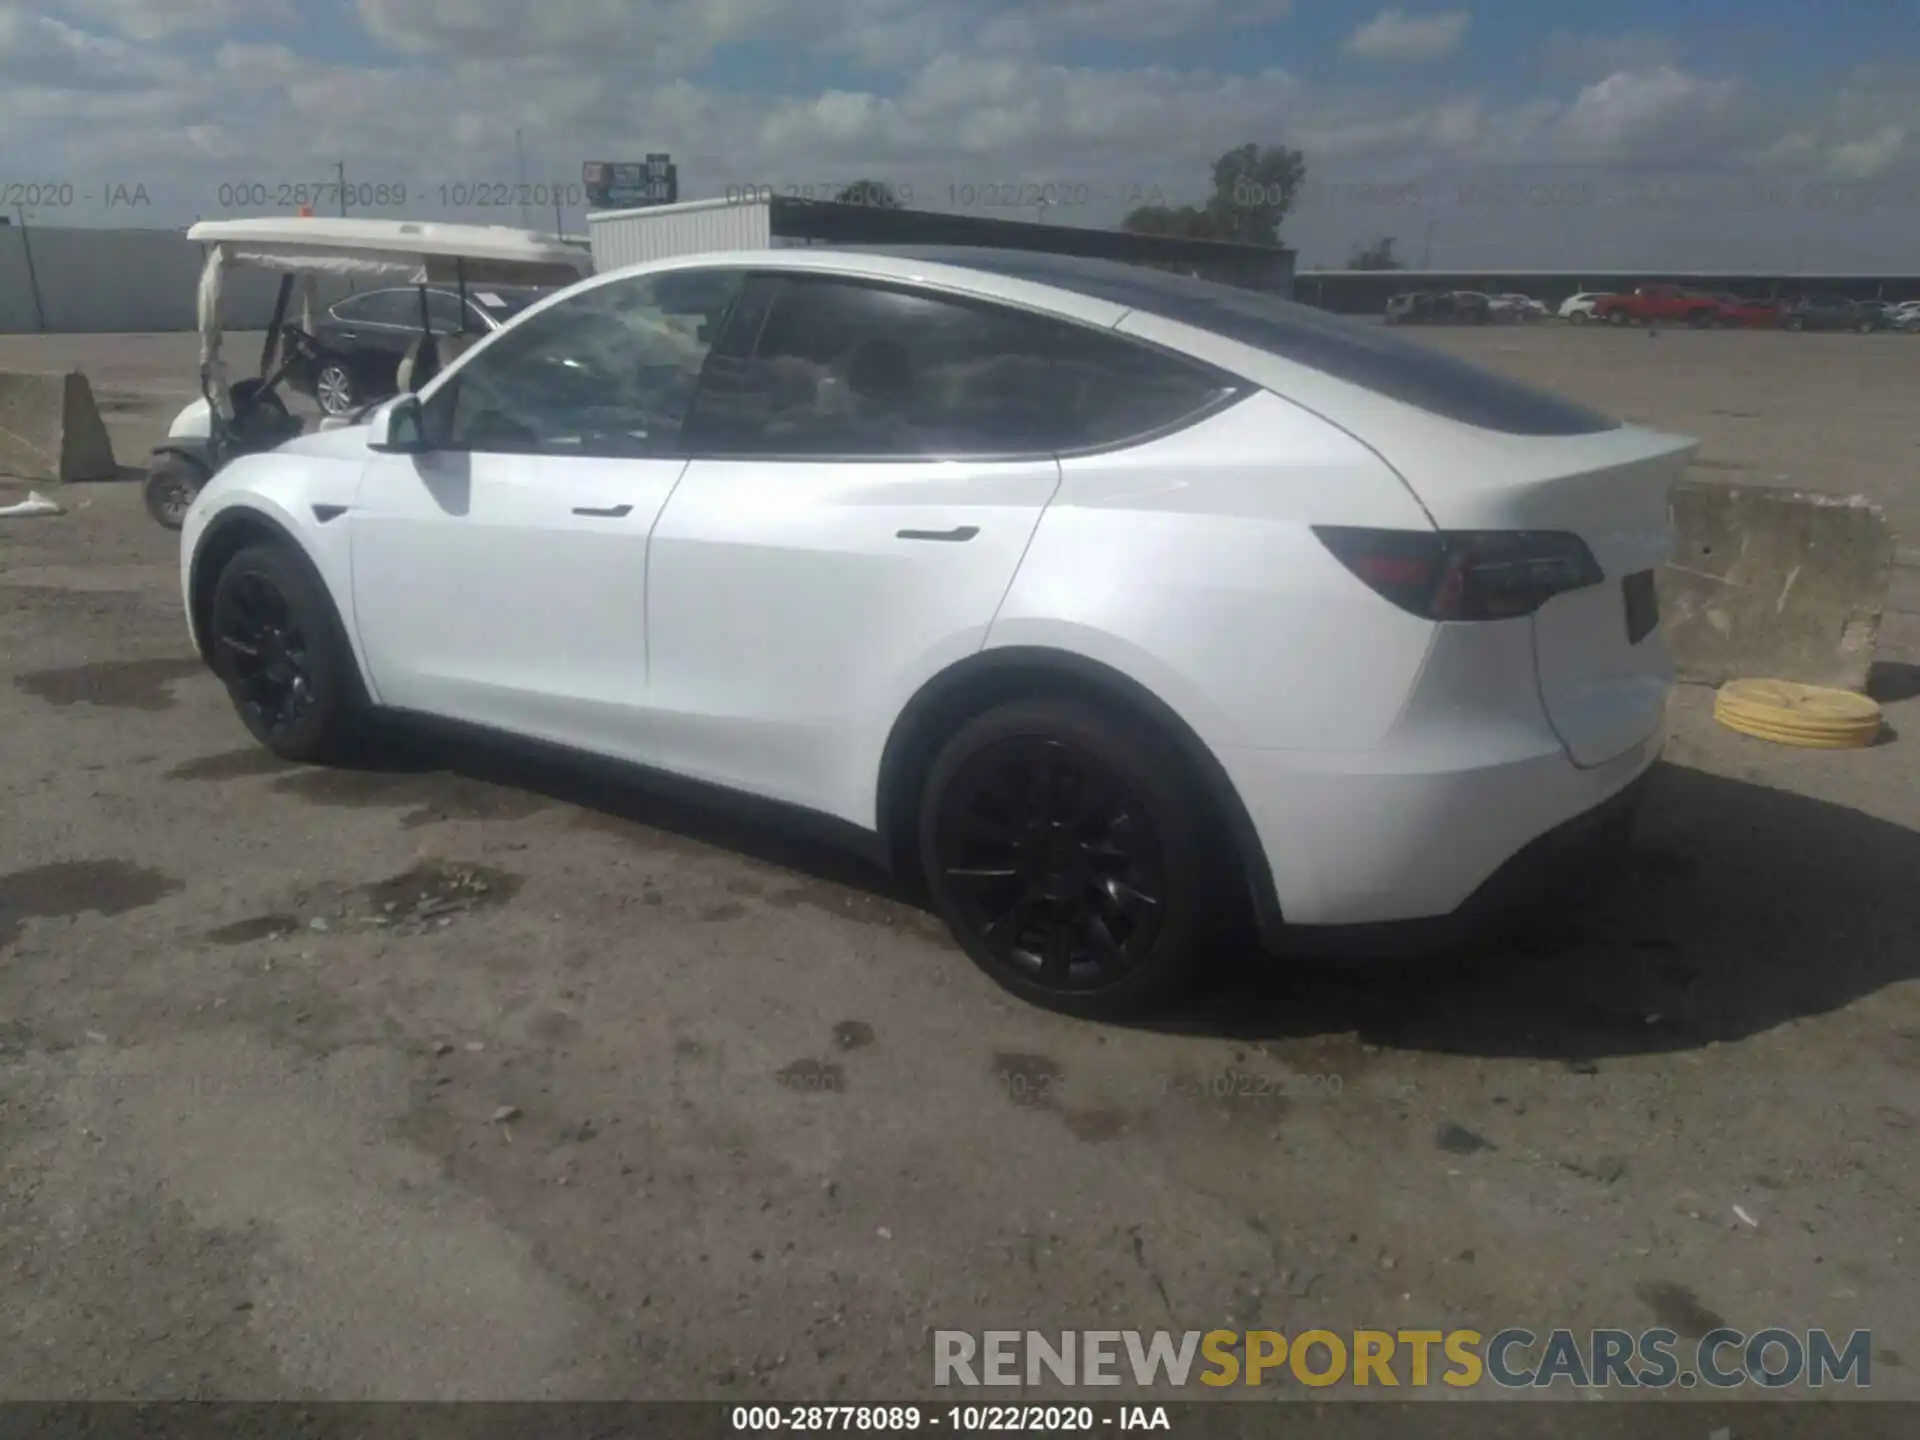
470	1078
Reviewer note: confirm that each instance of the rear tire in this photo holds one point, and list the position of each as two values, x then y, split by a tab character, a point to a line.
1063	846
1578	317
276	643
171	486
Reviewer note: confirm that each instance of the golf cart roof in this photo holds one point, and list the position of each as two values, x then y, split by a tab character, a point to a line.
412	250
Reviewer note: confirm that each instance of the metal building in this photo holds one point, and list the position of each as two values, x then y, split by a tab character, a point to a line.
628	237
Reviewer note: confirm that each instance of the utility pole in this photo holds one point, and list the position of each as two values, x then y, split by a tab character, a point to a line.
340	170
33	278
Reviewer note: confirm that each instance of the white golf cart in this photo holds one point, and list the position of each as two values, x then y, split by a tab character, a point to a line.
249	415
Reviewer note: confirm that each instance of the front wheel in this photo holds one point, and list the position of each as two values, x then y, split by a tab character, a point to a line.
1616	317
278	648
1796	322
1066	852
1578	317
334	390
171	486
1866	327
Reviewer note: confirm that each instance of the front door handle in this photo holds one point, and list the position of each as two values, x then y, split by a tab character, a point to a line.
612	512
959	532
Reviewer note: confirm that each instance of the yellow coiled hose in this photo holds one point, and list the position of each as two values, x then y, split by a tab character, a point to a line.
1810	716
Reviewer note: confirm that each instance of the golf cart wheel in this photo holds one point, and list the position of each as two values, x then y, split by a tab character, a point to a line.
334	390
1062	845
277	645
171	485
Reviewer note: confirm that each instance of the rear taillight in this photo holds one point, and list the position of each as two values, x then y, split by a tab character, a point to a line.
1464	574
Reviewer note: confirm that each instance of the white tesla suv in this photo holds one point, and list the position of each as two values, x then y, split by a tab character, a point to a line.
1071	586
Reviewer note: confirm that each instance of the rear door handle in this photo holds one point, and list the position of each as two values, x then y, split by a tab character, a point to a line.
612	512
959	532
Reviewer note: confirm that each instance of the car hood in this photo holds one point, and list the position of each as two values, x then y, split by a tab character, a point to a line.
346	442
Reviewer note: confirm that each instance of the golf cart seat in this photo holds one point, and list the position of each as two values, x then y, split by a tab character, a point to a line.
419	365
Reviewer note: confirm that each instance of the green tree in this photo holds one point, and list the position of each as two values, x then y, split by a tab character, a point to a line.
869	192
1254	187
1377	256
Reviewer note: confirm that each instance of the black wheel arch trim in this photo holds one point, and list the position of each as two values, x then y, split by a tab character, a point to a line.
910	746
231	531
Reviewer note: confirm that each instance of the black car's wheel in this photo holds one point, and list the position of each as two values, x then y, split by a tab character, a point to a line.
171	485
1866	327
1066	854
278	648
334	389
1796	322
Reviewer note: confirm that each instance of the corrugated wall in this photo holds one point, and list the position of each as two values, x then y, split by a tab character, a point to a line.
630	237
115	281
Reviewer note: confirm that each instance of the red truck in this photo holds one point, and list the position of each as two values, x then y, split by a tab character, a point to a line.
1658	304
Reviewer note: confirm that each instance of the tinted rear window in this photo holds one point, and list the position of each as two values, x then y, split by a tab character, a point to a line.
1362	354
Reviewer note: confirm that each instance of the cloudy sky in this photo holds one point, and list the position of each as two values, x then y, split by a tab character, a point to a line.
1776	134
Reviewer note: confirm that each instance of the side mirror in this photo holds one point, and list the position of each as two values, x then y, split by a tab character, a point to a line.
400	428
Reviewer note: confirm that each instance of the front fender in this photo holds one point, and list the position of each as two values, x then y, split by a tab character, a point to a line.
299	501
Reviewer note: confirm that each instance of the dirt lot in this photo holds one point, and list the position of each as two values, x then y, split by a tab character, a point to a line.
469	1079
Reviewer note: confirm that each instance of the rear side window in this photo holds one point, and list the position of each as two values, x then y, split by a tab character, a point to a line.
382	307
1361	354
852	369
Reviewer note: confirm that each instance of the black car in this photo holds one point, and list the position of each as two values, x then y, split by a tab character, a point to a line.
1438	307
1833	312
363	337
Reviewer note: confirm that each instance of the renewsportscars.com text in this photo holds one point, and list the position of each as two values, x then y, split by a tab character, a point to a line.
1513	1358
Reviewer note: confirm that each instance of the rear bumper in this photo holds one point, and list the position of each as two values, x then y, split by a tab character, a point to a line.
1352	849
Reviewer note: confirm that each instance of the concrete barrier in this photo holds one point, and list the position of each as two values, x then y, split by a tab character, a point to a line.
1775	584
50	429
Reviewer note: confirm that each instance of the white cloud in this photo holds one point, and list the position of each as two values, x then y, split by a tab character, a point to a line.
1396	35
1645	112
149	20
1870	157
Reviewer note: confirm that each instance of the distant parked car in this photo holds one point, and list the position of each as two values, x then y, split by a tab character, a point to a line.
363	337
1658	304
1745	313
1438	307
1905	316
1831	312
1578	309
1520	307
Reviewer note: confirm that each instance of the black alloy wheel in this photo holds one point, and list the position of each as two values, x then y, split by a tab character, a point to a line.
334	390
1065	855
276	646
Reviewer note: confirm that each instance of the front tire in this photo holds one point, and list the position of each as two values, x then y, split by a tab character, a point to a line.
1796	323
1063	846
171	486
1578	317
334	389
277	646
1616	317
